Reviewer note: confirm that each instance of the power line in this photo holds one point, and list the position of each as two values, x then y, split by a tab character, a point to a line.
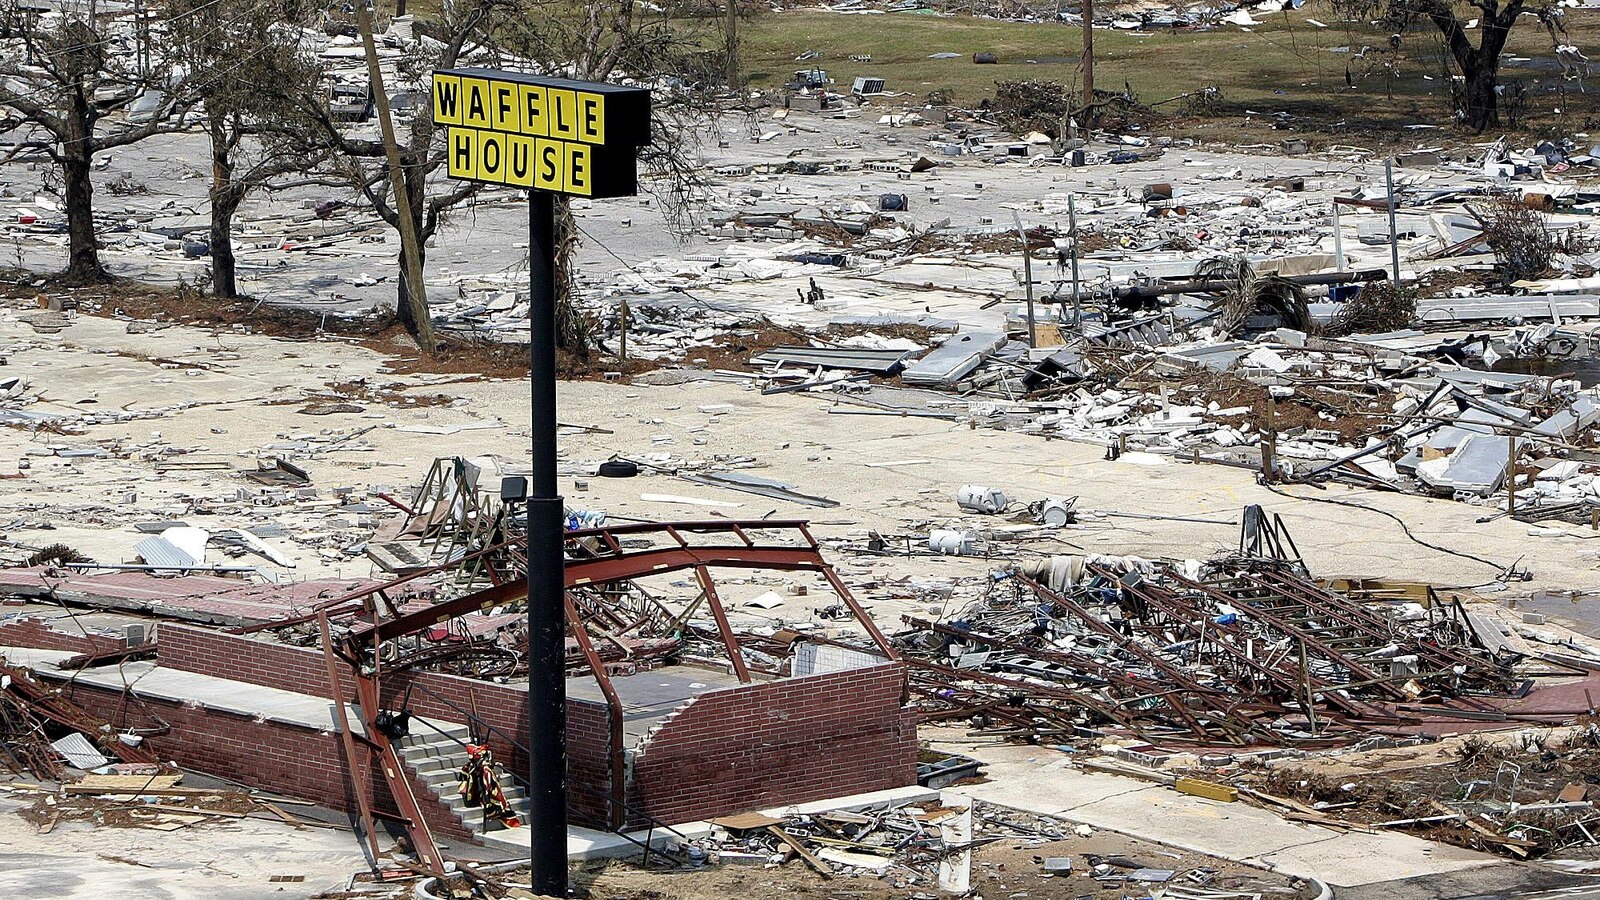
1504	570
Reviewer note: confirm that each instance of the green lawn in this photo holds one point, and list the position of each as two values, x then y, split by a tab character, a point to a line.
1287	63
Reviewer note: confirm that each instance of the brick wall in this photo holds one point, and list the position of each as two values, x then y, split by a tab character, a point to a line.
727	751
589	762
242	658
504	706
286	759
777	743
56	634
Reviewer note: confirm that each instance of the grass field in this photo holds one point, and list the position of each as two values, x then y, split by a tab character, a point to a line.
1286	64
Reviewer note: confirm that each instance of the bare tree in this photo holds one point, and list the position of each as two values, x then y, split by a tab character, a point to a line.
1476	97
55	73
251	69
619	40
463	29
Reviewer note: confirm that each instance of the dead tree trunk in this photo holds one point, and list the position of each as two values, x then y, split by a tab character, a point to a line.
1477	102
77	158
224	278
403	313
225	200
1480	104
416	198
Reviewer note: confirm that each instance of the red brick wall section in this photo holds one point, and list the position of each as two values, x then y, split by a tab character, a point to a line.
241	658
588	762
285	759
744	748
56	634
777	743
505	707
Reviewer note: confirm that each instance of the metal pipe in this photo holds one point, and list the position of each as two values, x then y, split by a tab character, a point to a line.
1338	241
1027	278
1208	286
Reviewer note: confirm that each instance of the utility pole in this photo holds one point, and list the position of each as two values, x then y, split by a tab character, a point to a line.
142	39
416	292
1072	226
1394	235
622	322
1338	241
733	46
1027	277
1088	59
1269	447
1511	473
546	575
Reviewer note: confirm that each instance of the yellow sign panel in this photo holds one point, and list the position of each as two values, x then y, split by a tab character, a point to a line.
549	134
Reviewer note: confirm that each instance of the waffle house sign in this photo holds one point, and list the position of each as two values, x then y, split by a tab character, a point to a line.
547	134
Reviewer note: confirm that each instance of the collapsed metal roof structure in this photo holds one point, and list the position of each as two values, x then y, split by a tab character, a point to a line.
613	628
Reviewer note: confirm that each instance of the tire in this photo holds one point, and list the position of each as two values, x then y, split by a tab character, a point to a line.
618	468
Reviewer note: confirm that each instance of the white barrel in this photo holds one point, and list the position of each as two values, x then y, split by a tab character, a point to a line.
950	543
980	498
1056	513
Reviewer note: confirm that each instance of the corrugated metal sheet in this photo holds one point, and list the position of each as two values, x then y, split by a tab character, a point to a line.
1488	307
954	359
158	551
79	752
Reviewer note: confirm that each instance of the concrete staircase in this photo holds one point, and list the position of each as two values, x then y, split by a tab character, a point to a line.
437	759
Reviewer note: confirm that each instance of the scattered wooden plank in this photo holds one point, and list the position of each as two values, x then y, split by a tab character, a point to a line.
191	811
107	784
151	792
1210	790
278	811
818	865
750	821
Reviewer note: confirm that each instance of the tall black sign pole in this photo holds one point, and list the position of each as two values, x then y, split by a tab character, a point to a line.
550	136
547	638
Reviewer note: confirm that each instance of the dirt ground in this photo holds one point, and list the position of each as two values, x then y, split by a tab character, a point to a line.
1009	867
1481	775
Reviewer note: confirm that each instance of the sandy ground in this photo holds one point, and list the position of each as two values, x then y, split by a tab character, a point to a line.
232	861
246	400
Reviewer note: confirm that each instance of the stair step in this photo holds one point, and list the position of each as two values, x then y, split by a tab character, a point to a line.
425	735
440	747
436	760
425	764
448	793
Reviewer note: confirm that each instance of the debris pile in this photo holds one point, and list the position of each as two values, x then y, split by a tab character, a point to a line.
1238	652
41	731
146	796
1524	795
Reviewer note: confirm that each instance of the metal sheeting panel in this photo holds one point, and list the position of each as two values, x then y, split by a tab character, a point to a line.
954	359
877	362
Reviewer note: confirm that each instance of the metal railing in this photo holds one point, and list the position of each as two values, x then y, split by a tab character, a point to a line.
474	721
